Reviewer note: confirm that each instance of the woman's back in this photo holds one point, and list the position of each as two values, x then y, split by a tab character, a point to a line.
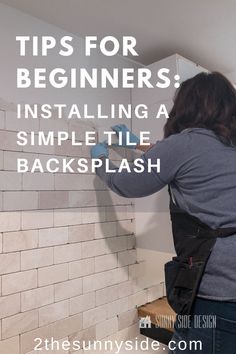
198	160
205	186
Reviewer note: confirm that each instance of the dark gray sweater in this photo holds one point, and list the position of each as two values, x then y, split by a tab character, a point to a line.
202	173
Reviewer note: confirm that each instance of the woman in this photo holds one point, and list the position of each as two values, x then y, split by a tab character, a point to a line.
198	162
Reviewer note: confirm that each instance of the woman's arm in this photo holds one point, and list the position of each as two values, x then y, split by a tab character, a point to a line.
122	128
127	184
130	184
173	154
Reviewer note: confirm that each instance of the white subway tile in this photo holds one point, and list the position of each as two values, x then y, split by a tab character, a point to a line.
9	305
8	141
27	339
116	307
10	346
53	236
40	149
103	198
20	200
37	219
67	253
125	288
127	257
138	299
106	295
44	158
67	149
80	233
38	181
81	268
93	248
10	159
54	312
128	318
9	263
35	298
106	328
80	127
82	199
68	289
1	201
92	215
131	242
74	182
104	279
1	160
53	199
106	262
82	303
36	258
54	125
13	283
66	217
52	274
16	124
93	316
98	184
67	326
10	180
86	335
116	244
20	240
105	229
2	119
10	221
20	323
116	213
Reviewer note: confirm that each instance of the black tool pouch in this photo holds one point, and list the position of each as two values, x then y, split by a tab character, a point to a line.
193	242
182	281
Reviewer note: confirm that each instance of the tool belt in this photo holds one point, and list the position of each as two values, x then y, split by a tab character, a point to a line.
193	242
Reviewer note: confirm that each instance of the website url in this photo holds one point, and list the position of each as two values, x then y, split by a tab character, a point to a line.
115	346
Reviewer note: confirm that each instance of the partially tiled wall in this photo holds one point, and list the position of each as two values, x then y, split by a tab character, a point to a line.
68	265
67	245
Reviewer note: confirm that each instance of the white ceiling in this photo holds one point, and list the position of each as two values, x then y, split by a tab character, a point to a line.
201	30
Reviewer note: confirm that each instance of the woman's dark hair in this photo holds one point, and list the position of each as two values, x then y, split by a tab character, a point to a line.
208	100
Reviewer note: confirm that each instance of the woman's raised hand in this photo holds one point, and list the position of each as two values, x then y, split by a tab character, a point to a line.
126	137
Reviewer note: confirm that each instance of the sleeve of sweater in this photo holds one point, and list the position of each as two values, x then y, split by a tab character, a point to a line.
172	154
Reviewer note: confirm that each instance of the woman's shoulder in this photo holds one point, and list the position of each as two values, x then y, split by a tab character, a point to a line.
190	135
189	141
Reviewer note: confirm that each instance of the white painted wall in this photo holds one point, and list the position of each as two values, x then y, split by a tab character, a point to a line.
232	77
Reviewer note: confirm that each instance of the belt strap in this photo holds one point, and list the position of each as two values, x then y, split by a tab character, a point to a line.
202	227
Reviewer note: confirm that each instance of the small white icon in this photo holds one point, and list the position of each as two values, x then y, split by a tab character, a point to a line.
145	322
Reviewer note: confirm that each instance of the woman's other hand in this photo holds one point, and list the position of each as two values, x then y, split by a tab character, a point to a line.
99	150
127	137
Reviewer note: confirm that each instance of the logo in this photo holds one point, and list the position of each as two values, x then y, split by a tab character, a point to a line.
145	322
